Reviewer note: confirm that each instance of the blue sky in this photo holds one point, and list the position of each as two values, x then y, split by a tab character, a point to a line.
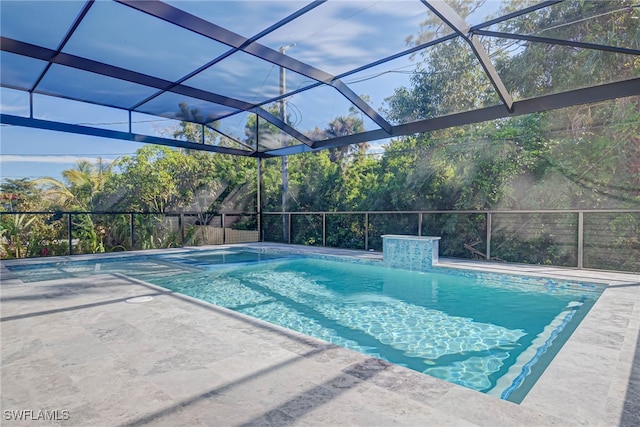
35	153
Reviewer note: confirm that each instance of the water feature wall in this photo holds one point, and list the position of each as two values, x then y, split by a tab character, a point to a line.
418	253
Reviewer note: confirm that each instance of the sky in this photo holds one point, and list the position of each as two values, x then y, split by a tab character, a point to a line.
34	153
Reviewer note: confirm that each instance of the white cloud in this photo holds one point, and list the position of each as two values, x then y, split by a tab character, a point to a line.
15	109
10	158
378	147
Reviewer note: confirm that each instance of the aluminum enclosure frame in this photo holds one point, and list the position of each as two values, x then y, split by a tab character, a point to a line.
251	45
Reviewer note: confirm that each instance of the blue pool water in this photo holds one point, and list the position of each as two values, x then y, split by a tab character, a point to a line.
494	334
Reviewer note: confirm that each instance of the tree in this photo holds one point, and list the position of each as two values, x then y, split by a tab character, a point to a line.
23	234
551	68
154	180
81	190
14	192
81	186
344	126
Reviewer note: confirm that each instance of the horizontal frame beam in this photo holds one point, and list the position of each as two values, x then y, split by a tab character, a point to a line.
515	14
571	98
533	105
9	119
538	39
435	211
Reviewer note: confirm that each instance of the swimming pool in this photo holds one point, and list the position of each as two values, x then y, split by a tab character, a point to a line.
489	332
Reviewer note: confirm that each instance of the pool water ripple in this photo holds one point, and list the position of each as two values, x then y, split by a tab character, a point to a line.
416	331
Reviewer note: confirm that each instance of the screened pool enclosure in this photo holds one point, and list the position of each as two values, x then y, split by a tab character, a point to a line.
271	79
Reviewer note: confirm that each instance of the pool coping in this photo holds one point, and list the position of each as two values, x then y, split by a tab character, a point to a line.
593	380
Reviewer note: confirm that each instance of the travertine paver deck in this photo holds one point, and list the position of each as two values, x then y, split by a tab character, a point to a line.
76	345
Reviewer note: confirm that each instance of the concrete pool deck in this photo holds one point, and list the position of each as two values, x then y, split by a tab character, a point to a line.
76	346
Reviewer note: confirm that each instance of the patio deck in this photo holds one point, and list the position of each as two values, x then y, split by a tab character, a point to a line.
76	346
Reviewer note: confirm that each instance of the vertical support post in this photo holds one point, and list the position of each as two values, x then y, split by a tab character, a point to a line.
31	105
181	226
489	219
324	229
70	233
289	228
580	239
285	190
366	231
130	128
224	231
420	224
285	161
259	195
132	230
202	134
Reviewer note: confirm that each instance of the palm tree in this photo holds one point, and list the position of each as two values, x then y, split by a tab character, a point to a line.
79	191
343	126
81	185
